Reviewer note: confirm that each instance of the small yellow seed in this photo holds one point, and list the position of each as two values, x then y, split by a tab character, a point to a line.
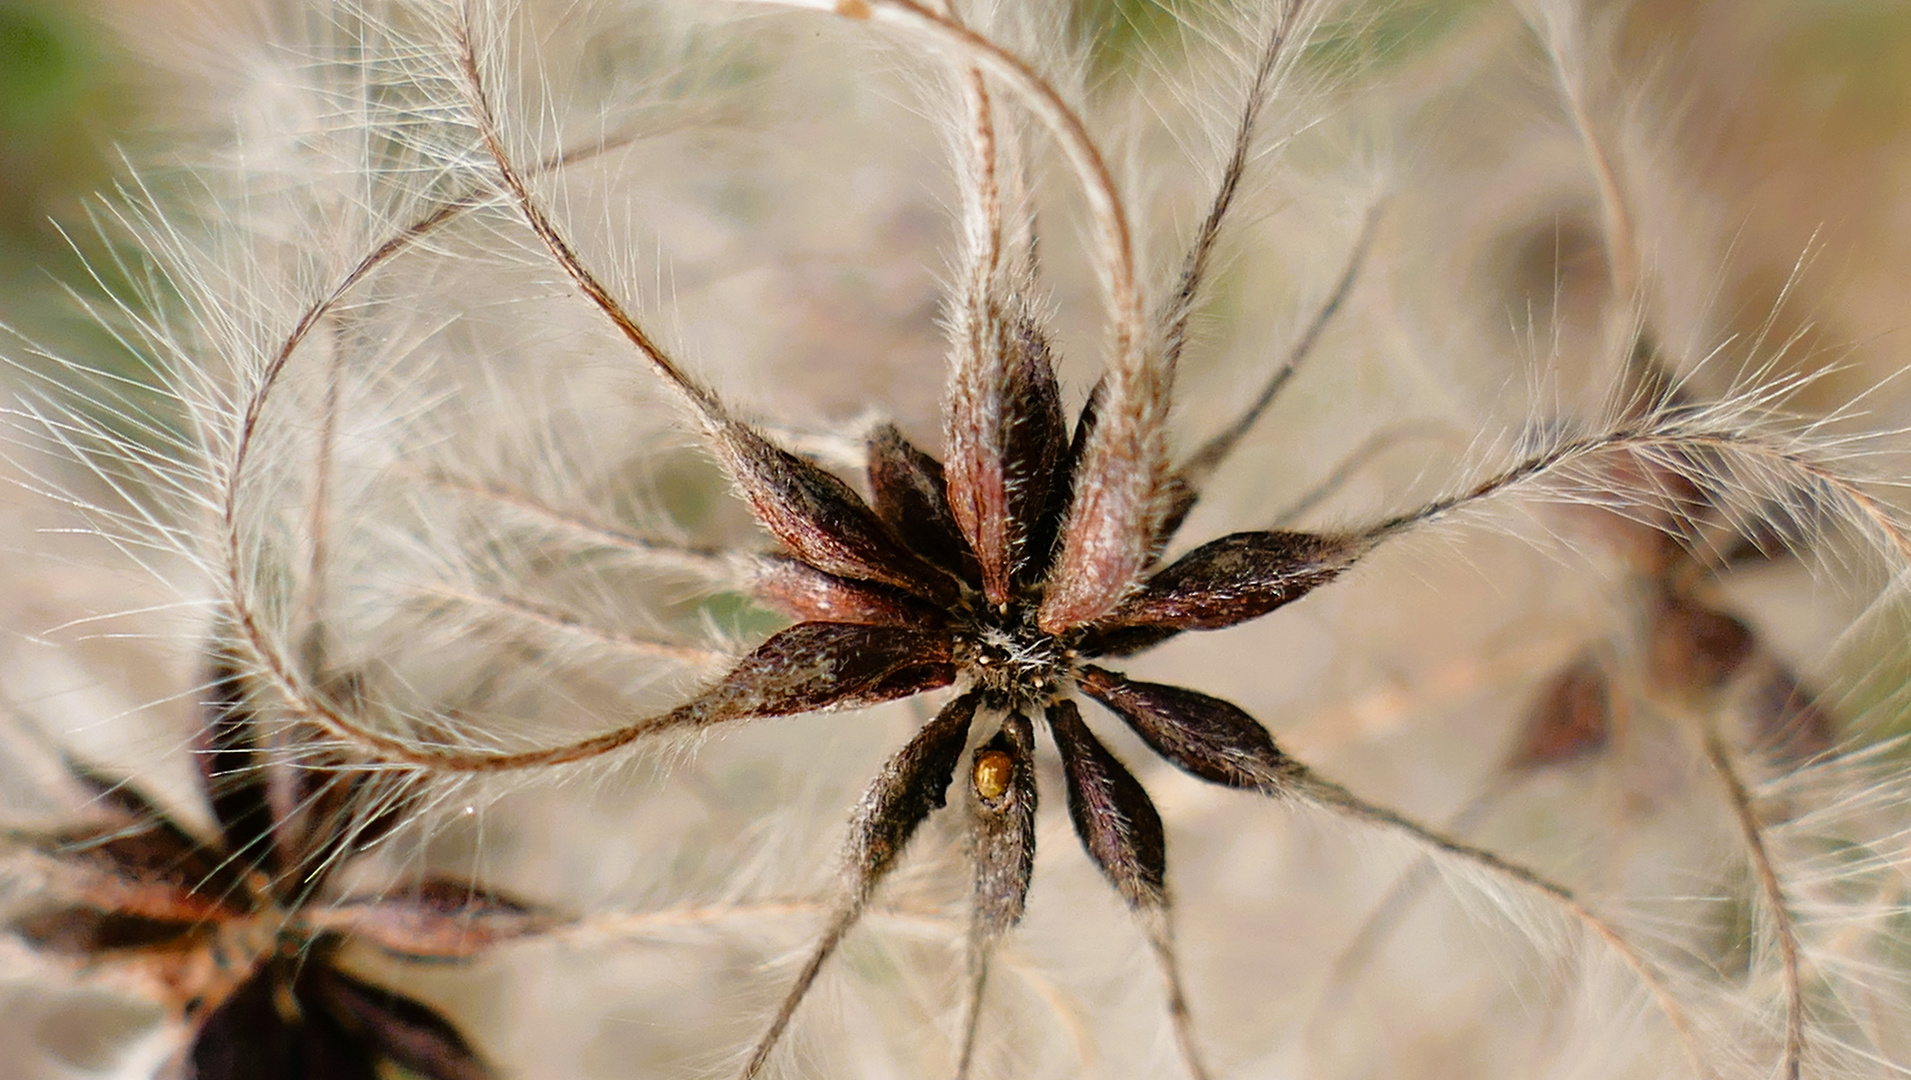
991	777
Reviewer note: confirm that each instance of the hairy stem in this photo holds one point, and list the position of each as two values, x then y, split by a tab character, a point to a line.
1200	467
1769	886
1337	798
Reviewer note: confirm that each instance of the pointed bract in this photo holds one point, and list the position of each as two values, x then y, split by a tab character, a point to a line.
1693	647
1113	815
1114	506
85	932
1235	579
1007	439
435	919
149	870
912	498
324	810
817	666
1206	736
807	594
230	770
248	1037
912	784
1002	785
820	519
1045	542
408	1033
1787	723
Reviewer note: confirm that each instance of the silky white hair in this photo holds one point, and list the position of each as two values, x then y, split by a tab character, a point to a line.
387	451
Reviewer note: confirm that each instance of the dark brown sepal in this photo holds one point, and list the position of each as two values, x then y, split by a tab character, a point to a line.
913	784
249	1037
1694	648
149	870
85	933
1007	439
1121	641
435	919
1571	718
245	1038
1112	812
912	498
231	769
1004	818
816	666
408	1033
1234	579
1045	540
328	808
820	519
807	594
1205	736
125	805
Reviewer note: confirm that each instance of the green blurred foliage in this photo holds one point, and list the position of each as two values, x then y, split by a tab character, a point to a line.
1374	34
57	111
1361	36
1852	64
66	99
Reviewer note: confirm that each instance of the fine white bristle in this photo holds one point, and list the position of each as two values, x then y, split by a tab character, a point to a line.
423	351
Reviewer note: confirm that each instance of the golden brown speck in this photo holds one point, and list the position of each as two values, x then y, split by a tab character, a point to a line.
991	775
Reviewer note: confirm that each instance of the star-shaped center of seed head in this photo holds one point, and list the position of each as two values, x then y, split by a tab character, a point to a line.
948	574
239	932
1004	652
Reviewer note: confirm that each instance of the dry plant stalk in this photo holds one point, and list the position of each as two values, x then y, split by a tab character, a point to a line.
449	547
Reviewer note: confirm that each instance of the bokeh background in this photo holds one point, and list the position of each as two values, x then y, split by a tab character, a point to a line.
1766	149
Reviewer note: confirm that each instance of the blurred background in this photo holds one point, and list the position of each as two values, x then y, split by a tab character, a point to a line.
1766	147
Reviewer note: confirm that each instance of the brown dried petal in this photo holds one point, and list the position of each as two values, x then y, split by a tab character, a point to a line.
1007	438
1004	829
1693	648
1113	814
912	784
408	1033
1571	718
807	594
1205	736
912	499
1236	578
231	771
436	919
820	519
815	666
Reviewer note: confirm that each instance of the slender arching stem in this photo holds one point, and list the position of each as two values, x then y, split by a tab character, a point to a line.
1756	447
1337	798
245	619
1759	853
